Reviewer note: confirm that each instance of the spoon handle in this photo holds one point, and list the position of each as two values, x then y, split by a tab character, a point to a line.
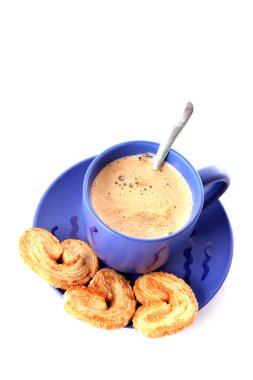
165	147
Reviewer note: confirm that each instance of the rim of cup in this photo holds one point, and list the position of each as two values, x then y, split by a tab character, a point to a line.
196	209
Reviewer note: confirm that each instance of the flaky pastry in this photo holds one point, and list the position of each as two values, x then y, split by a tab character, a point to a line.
62	265
108	301
168	304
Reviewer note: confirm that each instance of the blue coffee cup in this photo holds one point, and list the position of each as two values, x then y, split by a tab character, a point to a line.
136	255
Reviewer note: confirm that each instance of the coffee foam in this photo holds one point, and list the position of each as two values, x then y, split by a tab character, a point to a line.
132	198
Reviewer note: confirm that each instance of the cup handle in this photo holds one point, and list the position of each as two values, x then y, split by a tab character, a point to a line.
215	182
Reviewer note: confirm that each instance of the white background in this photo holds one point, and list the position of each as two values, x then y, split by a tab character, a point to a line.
77	77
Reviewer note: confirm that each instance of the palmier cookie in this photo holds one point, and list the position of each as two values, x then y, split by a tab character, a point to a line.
62	265
108	301
168	304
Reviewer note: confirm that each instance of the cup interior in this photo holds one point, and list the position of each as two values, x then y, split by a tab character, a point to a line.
139	147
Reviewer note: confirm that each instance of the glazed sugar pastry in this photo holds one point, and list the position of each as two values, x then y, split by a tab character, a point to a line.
108	301
62	265
168	304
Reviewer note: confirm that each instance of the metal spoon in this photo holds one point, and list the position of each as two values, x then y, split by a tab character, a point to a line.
164	148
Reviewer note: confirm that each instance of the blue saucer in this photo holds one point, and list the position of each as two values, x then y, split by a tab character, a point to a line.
204	262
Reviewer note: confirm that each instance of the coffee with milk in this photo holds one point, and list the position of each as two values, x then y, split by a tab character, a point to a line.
135	200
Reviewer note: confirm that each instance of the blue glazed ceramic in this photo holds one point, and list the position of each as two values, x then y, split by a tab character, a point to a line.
134	255
203	262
